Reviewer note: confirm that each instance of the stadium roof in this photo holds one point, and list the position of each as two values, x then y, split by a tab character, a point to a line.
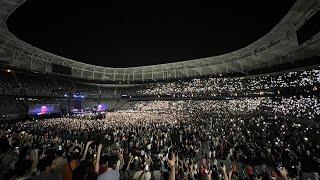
279	46
124	34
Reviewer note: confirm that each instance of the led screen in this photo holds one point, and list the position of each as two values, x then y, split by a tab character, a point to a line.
102	107
43	109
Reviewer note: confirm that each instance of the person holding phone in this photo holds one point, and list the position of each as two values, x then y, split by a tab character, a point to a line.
223	169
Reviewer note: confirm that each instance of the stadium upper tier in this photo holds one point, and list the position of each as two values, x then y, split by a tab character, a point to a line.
279	46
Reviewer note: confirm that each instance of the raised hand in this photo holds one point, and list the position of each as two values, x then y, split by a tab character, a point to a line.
99	147
89	143
223	168
98	159
172	162
131	159
284	173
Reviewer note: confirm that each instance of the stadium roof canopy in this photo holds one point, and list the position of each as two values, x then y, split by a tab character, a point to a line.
281	45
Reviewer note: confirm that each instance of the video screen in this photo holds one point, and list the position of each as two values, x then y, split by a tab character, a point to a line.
43	109
102	107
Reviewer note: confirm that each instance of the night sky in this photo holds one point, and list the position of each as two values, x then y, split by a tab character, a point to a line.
134	33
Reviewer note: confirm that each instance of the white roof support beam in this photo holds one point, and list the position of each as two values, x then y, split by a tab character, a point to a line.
93	73
82	70
4	45
232	68
33	61
3	12
104	74
12	2
48	65
124	74
142	75
197	69
15	58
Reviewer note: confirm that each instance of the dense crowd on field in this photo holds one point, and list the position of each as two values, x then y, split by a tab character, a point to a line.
304	108
165	141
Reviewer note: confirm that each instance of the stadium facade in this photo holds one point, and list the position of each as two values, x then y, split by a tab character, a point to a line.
280	46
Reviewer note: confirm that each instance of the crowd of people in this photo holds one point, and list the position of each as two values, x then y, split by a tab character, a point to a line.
304	108
151	144
15	83
271	135
300	107
306	79
244	105
23	84
211	139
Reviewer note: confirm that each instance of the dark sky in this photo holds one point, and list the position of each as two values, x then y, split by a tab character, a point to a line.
134	33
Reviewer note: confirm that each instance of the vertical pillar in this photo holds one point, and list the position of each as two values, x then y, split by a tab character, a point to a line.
142	74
